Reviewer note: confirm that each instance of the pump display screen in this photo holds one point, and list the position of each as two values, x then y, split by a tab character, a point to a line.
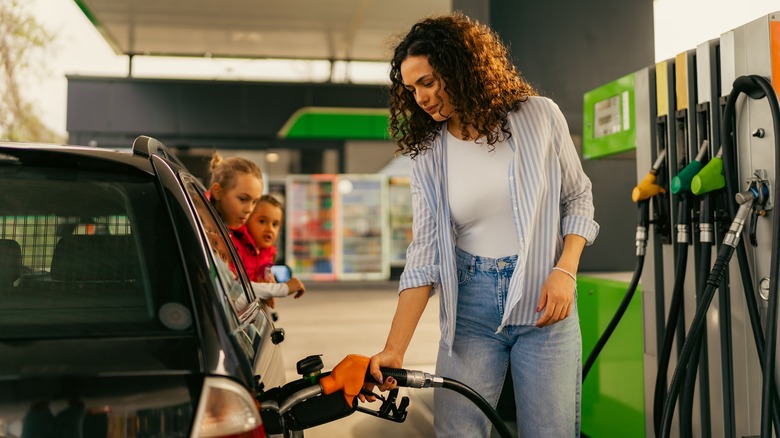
607	117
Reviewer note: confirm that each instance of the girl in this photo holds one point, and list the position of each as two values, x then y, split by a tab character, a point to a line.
264	225
236	186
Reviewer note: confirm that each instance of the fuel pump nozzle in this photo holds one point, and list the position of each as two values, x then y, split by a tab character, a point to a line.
745	200
710	177
647	188
682	182
322	397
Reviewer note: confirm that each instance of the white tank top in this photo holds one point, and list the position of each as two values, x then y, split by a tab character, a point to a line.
478	192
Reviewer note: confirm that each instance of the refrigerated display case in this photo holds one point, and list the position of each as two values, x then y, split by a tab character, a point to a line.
277	188
311	228
362	242
400	219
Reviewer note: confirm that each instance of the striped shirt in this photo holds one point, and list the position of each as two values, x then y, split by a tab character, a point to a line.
551	197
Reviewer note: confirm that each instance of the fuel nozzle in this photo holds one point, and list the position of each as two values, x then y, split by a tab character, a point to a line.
647	188
710	177
745	200
682	182
349	376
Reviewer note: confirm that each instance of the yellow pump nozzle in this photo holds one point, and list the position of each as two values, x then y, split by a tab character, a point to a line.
646	189
348	376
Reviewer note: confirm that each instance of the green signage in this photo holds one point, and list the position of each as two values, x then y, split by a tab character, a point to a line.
609	125
337	123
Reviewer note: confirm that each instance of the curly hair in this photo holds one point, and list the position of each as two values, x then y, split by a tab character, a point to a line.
470	62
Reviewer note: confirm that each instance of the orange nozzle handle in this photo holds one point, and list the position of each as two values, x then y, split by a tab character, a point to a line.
348	376
646	189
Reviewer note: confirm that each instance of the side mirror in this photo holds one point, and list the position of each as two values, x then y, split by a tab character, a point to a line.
282	273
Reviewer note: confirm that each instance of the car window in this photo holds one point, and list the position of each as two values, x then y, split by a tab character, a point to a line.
219	244
239	305
86	253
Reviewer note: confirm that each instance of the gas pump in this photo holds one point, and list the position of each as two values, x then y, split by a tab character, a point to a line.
691	155
749	112
674	251
718	126
750	50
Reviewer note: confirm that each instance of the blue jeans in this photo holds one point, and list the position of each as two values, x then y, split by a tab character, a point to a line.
546	362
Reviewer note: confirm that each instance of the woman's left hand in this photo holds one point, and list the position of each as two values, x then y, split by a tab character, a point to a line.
557	298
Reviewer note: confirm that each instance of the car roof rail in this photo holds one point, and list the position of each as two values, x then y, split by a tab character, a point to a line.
145	146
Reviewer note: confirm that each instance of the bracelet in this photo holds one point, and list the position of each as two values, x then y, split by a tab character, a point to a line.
573	277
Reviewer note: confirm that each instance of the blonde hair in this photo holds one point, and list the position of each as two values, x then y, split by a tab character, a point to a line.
225	170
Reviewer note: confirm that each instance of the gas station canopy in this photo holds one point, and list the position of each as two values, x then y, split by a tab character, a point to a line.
348	30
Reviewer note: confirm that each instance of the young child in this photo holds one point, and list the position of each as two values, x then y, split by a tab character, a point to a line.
236	187
264	225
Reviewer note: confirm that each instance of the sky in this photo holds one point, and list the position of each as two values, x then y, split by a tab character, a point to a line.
79	48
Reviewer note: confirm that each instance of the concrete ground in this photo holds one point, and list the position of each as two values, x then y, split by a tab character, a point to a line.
341	318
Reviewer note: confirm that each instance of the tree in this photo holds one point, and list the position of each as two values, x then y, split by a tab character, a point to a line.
22	37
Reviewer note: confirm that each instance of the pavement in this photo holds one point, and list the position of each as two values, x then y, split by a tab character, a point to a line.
335	319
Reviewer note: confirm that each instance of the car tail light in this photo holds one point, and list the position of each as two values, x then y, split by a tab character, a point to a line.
226	410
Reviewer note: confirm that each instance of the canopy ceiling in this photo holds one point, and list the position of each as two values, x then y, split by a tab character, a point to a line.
357	30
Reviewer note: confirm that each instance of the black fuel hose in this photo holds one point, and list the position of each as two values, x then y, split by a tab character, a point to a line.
481	403
718	270
420	379
675	309
756	87
642	221
686	402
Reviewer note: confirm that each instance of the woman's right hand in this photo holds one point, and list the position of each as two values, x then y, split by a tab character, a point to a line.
383	359
411	304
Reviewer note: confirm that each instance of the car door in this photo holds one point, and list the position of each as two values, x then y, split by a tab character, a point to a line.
252	324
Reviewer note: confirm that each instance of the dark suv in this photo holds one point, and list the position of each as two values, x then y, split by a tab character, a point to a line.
122	308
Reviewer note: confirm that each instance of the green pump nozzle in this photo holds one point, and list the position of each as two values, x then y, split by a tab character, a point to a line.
682	182
710	177
647	188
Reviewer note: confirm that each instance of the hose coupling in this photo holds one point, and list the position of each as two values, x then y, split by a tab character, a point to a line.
641	240
682	233
705	233
421	379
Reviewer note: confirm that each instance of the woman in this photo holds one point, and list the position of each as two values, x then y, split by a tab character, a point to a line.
502	211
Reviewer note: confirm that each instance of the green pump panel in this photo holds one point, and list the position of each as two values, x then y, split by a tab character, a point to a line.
609	125
613	393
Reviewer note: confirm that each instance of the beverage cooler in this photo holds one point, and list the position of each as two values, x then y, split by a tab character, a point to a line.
362	242
311	231
400	222
337	227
